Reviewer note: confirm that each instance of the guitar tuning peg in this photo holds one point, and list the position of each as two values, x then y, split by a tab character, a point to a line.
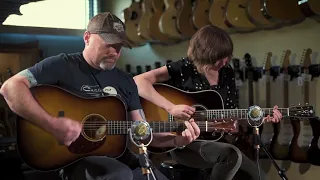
307	104
299	104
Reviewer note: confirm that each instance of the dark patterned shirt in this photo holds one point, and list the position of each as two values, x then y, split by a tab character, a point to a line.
185	76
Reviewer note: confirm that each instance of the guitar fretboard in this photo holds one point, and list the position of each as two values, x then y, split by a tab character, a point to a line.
122	127
238	113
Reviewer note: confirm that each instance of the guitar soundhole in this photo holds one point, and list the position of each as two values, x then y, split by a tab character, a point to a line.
93	135
94	127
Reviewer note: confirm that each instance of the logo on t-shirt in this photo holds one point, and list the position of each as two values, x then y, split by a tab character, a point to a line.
93	91
110	90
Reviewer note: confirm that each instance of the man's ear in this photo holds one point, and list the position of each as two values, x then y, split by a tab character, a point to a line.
86	37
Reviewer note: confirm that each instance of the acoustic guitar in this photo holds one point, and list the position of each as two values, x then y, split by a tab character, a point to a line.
301	127
184	18
255	16
217	15
104	133
285	11
283	133
168	20
132	16
207	109
143	24
200	16
158	7
236	15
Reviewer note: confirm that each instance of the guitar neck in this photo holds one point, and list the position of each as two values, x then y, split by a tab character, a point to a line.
121	127
240	113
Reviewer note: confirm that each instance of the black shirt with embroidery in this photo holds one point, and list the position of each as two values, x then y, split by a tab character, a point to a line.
185	76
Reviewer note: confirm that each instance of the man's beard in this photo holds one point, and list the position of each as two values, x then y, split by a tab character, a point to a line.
105	66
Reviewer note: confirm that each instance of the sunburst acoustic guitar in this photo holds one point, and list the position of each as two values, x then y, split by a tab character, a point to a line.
200	16
104	133
208	109
236	15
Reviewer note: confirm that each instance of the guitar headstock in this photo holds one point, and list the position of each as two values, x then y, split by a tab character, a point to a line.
306	59
301	111
223	125
248	60
267	65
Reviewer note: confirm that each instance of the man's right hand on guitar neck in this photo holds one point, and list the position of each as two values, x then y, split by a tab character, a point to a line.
181	111
65	130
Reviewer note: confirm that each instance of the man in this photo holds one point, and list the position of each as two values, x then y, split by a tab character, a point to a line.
91	73
206	67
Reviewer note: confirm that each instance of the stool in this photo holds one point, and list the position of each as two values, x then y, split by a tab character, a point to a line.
174	171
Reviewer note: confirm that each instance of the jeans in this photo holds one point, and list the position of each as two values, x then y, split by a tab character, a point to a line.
104	168
224	159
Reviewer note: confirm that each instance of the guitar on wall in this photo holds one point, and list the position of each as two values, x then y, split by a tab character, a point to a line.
301	127
104	133
244	140
283	133
200	15
267	128
132	16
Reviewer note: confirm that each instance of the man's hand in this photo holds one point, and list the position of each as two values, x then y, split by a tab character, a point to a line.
276	116
188	135
65	130
182	111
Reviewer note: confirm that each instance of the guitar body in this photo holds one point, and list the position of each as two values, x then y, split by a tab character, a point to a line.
217	15
132	16
154	27
198	99
285	11
200	15
256	17
314	149
237	17
143	26
184	19
41	151
168	20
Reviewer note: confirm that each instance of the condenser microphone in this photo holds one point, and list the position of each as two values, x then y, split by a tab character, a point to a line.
139	131
255	116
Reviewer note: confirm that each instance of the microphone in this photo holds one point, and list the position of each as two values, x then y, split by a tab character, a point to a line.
140	130
255	119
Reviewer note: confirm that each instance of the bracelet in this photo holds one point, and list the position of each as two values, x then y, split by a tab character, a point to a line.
175	144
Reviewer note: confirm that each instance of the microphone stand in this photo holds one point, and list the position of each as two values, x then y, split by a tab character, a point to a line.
281	172
256	117
144	161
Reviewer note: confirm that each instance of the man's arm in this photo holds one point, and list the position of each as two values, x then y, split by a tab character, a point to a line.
146	90
19	98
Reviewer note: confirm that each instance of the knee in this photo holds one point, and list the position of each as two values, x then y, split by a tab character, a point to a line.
123	173
231	153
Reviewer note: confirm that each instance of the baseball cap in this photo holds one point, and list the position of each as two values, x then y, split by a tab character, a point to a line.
109	27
